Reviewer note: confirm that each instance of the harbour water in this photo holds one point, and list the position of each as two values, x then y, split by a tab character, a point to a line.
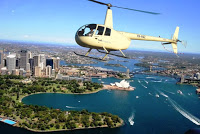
171	112
142	110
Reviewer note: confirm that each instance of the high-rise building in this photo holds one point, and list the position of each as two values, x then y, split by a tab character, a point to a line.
29	54
42	61
24	54
48	71
36	60
56	63
49	62
37	71
11	62
1	58
31	62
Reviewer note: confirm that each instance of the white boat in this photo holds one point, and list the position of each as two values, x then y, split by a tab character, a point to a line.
157	96
180	92
137	97
130	119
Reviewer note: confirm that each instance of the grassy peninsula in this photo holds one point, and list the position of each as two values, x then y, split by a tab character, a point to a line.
41	118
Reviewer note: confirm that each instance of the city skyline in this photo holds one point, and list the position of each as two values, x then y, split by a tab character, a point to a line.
58	21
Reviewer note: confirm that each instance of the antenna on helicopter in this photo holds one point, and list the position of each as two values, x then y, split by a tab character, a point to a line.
109	5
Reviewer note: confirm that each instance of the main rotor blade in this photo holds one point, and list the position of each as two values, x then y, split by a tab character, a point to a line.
98	2
137	10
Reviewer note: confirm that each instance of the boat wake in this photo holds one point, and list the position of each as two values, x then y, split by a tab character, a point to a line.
182	111
144	86
156	81
130	119
70	107
146	81
168	91
150	77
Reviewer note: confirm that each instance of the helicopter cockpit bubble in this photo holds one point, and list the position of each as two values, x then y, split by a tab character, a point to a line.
87	30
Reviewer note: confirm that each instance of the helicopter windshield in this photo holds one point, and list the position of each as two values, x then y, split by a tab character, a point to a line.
87	30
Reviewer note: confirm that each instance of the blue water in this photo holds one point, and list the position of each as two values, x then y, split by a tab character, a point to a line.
173	114
129	64
9	122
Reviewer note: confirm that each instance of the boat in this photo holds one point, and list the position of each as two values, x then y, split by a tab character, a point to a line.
180	92
137	97
130	119
157	96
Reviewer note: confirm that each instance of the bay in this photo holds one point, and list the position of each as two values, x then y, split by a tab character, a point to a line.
151	114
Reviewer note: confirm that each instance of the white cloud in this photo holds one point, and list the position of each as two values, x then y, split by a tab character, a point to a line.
26	36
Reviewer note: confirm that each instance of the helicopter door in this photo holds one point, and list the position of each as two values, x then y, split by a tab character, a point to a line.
99	33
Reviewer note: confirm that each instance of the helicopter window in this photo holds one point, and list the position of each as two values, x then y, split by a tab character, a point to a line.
87	30
90	29
108	32
100	30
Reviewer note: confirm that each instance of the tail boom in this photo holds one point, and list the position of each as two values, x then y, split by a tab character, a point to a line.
173	41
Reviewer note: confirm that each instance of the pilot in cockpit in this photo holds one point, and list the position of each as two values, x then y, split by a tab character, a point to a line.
90	33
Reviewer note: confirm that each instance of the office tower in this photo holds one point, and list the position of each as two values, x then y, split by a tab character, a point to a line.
28	67
17	63
31	62
42	61
56	63
37	71
49	62
36	60
1	58
48	71
23	59
29	54
11	62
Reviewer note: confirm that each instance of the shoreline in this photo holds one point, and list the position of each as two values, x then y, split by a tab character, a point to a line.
60	130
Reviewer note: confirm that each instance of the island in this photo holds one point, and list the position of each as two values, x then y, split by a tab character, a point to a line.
41	118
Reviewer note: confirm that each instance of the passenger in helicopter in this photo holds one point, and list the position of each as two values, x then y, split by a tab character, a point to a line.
90	33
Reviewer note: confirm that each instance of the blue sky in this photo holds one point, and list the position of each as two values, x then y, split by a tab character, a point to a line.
58	20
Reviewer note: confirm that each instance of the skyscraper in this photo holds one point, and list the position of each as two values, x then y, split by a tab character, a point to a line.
37	71
31	65
11	62
42	61
24	54
56	63
49	62
48	71
1	58
36	60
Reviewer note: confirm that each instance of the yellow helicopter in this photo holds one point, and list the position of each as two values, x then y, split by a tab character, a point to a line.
104	37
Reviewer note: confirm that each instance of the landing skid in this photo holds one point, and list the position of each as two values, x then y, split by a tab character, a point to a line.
113	54
89	56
